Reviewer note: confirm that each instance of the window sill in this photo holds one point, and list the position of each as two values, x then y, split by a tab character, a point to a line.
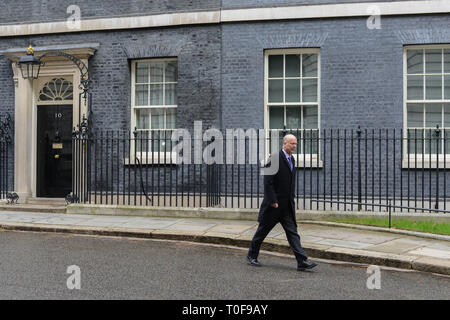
309	161
308	164
426	164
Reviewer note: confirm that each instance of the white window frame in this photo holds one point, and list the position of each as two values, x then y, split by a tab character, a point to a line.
311	160
150	157
419	161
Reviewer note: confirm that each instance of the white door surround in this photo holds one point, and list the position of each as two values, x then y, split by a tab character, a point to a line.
26	104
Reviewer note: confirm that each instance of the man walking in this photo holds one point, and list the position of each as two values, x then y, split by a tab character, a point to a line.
278	206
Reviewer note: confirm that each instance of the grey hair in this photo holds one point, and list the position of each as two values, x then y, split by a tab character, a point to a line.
286	137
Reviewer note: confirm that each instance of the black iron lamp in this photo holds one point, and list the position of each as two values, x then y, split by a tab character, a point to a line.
30	65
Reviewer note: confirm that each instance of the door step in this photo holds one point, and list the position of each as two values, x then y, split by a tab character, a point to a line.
47	201
46	205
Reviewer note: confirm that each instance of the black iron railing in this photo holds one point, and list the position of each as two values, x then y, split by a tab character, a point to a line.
6	184
346	169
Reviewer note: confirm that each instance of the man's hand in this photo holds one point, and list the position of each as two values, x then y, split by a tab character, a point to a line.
275	205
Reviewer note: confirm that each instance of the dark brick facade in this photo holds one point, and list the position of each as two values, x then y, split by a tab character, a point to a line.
231	4
22	11
221	67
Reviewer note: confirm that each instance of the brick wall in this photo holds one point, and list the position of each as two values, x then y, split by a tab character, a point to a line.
361	69
54	10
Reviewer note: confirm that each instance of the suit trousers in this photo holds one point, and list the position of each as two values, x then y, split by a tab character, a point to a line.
290	228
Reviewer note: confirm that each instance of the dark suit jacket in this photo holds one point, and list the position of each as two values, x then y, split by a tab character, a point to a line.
279	188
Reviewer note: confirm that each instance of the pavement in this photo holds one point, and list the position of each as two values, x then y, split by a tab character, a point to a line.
332	241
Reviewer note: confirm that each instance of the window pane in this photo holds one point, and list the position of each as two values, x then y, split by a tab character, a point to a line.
171	71
141	72
142	141
309	67
433	61
292	65
310	118
310	142
275	90
171	94
433	115
415	115
447	60
141	97
431	142
446	141
157	118
157	143
292	90
280	141
276	117
171	114
414	61
433	87
415	88
293	117
156	71
415	142
309	90
156	94
142	119
166	142
446	87
447	115
275	66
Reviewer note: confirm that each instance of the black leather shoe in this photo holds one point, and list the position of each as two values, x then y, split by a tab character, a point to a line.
304	265
253	262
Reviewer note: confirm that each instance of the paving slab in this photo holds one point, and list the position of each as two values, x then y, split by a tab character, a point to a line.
151	223
310	239
230	228
19	219
60	221
324	233
197	226
345	243
370	257
370	238
99	223
244	237
280	236
441	245
397	246
316	246
429	252
250	232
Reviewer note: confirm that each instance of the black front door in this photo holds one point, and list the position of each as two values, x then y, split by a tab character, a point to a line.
54	151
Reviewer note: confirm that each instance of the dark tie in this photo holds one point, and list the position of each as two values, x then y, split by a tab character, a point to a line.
290	162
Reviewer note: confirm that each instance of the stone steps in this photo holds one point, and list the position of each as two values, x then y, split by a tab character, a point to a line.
48	205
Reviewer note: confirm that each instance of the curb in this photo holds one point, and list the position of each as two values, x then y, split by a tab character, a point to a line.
340	254
307	217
